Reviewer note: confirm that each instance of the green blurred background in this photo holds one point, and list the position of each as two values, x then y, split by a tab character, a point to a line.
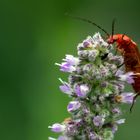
33	36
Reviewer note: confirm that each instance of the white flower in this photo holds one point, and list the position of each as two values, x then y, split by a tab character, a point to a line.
50	138
120	121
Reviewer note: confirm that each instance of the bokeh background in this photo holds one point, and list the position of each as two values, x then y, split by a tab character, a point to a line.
34	34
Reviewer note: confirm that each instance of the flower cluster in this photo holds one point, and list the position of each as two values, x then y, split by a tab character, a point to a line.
96	87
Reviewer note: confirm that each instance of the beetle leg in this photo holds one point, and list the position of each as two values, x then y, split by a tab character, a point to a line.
134	99
121	65
124	62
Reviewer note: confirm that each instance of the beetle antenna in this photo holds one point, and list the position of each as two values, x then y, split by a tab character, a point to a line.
113	25
89	21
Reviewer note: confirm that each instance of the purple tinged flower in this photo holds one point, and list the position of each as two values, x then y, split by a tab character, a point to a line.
115	59
83	53
57	127
119	59
126	97
113	67
128	77
63	138
71	60
119	72
121	121
92	136
104	71
87	44
72	129
66	67
114	128
98	120
120	86
73	106
116	111
92	55
69	64
87	68
85	110
65	88
82	90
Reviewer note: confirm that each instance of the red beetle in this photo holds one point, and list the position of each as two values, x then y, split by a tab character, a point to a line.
129	49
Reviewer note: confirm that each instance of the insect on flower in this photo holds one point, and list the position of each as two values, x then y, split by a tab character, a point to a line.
128	49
